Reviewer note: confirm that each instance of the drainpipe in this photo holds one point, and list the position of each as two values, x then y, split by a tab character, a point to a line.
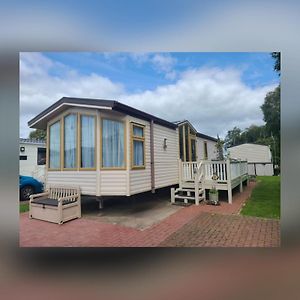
152	157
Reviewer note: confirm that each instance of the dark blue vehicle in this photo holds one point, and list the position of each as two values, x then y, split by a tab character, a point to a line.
29	186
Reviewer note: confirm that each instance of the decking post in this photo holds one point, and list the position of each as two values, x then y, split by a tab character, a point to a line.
247	173
229	191
172	195
241	177
196	191
180	172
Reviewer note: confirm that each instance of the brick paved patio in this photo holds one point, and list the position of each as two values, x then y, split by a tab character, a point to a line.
216	230
201	225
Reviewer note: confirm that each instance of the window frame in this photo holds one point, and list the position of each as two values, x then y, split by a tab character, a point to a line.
101	143
79	142
140	139
205	150
57	120
37	158
63	142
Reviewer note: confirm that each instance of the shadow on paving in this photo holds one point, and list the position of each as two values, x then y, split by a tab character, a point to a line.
138	211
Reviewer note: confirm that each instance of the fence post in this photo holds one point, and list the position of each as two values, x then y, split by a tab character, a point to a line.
241	177
197	189
247	173
229	191
180	172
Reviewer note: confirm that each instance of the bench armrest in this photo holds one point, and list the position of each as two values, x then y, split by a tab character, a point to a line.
39	195
68	197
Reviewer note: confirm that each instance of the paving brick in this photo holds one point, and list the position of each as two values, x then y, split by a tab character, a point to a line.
202	225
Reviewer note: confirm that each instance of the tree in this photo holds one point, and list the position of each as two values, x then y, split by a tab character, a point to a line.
277	58
219	147
271	111
233	137
38	134
253	133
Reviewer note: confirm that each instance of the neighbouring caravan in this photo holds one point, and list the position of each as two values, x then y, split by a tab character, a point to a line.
32	158
259	158
109	149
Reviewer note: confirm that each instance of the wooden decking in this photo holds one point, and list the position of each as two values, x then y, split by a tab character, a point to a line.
195	177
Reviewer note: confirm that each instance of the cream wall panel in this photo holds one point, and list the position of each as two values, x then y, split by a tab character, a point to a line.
86	180
166	160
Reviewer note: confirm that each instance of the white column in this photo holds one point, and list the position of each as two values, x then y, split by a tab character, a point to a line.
241	177
229	191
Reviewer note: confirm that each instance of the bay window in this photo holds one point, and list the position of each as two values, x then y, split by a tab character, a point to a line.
70	141
54	146
87	141
113	144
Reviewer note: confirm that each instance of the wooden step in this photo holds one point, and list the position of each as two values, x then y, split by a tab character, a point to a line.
184	197
187	189
182	204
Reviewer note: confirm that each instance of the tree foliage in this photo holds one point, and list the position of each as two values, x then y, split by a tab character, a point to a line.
271	111
219	147
277	58
38	134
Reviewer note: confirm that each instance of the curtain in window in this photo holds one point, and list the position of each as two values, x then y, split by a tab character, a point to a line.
138	153
87	141
70	138
54	146
112	144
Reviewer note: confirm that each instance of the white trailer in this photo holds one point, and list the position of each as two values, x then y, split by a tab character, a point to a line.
259	158
32	157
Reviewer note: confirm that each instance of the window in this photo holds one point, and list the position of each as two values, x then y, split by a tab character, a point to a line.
193	149
23	157
41	156
187	145
181	152
113	134
205	150
54	146
87	141
70	141
138	146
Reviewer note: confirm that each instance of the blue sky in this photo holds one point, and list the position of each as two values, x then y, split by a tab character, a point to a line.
214	91
137	75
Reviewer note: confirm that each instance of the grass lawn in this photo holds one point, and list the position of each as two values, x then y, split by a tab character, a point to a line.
265	198
24	207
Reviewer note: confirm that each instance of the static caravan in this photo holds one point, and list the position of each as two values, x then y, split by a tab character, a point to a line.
193	145
32	156
259	158
110	149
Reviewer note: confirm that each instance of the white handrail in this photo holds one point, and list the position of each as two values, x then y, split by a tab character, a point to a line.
205	169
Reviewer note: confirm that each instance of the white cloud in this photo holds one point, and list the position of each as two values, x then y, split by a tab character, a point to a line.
214	100
39	88
164	63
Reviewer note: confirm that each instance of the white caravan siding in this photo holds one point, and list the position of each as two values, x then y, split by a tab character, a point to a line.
113	182
86	180
29	167
211	149
259	158
165	160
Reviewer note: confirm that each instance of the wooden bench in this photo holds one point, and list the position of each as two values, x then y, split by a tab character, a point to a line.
58	204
